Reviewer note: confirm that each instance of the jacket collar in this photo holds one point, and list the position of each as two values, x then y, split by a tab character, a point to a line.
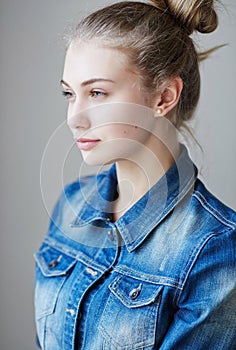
135	225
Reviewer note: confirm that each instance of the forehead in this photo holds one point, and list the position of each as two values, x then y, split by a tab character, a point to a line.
90	59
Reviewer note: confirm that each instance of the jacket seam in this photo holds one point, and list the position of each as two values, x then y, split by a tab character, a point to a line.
190	264
155	279
74	254
203	201
175	201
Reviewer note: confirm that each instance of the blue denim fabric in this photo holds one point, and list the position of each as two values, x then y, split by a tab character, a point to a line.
161	277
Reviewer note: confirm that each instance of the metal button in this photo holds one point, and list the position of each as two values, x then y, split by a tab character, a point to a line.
91	272
54	262
135	292
110	233
71	312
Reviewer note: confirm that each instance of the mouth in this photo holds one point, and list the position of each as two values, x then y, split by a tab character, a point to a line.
86	144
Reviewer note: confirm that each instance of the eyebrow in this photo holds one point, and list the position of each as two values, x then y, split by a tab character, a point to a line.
90	81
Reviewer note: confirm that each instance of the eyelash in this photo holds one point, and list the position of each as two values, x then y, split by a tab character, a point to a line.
93	93
97	93
67	94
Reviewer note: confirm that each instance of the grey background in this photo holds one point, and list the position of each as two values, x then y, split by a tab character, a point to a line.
32	108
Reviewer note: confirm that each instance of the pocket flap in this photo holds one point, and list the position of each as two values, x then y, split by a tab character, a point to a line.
133	292
53	262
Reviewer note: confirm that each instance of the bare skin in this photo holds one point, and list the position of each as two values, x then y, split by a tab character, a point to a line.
107	119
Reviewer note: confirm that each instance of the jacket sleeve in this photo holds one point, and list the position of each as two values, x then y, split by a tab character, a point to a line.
206	307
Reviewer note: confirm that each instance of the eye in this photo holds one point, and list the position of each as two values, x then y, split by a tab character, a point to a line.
97	93
68	95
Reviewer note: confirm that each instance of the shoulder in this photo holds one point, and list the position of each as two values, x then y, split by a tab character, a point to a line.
211	209
210	259
215	228
211	263
200	231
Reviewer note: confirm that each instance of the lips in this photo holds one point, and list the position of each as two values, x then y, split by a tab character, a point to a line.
86	144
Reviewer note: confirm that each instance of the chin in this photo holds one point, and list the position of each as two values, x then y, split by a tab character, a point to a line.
95	160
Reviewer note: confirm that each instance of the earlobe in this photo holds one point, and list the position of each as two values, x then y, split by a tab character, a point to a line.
169	96
159	111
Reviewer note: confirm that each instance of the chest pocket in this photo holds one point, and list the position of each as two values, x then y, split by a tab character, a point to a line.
52	269
130	316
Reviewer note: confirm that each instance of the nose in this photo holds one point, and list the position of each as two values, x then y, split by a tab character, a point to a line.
78	118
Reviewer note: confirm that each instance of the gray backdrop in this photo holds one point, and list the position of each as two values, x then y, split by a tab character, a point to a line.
32	109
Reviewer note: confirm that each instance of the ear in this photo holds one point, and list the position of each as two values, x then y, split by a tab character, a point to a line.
168	96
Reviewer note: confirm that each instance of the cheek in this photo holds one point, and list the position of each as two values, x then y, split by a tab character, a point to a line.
129	130
121	118
135	133
126	132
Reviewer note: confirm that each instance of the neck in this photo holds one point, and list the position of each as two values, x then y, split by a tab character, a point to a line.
136	176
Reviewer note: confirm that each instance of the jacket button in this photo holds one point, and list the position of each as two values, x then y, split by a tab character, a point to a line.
71	312
54	262
110	233
91	272
135	292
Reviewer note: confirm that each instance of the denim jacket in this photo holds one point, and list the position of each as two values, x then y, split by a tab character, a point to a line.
161	277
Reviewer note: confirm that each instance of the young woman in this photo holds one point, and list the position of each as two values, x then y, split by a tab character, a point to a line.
141	256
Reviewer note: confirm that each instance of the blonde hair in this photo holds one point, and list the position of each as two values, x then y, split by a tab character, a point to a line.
156	39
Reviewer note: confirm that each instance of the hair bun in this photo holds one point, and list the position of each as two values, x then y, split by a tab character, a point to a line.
192	15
